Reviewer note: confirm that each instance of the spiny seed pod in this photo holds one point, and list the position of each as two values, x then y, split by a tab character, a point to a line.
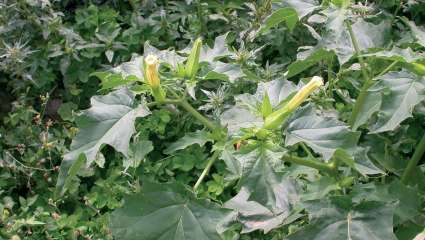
275	119
151	71
192	63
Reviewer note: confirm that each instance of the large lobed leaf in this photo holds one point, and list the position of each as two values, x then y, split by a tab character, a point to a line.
324	134
167	212
401	92
337	219
110	120
265	199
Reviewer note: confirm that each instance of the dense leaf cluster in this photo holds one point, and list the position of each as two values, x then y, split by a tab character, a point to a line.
295	119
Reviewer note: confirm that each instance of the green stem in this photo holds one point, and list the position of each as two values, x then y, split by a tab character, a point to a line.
166	101
206	169
310	163
387	68
184	104
413	162
367	80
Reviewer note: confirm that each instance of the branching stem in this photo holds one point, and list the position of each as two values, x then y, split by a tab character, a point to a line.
310	163
206	169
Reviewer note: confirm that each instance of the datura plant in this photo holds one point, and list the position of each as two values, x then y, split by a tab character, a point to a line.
296	162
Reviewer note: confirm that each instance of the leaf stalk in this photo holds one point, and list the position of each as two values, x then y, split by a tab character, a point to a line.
413	162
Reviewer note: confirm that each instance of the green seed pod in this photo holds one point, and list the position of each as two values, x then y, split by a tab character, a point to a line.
275	119
192	63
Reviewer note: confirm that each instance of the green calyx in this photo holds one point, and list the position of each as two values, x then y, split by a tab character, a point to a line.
192	63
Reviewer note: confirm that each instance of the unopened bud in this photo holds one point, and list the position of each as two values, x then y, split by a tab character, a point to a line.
275	119
152	78
192	63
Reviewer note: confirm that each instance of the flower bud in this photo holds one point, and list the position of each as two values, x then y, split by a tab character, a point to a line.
275	119
192	63
419	68
151	71
305	91
152	77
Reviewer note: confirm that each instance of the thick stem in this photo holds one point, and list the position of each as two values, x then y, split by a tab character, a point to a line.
206	169
413	162
310	163
367	81
184	104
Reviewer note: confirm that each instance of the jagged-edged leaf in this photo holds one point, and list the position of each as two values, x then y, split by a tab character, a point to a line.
277	90
287	15
137	152
167	211
397	54
265	199
406	200
402	91
363	164
303	63
320	188
219	50
323	134
110	120
418	32
199	137
371	104
132	68
337	37
109	80
238	117
224	71
302	7
338	219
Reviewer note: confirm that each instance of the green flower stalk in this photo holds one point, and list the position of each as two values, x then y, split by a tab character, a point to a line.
152	77
275	119
192	63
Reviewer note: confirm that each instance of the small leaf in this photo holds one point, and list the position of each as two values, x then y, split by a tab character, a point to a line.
167	212
266	107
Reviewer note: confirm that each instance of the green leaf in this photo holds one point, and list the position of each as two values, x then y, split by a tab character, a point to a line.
371	104
311	60
110	120
112	80
303	7
224	71
238	117
418	32
266	106
397	54
337	219
407	200
401	92
219	50
337	37
265	200
287	15
167	212
198	137
137	152
323	134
